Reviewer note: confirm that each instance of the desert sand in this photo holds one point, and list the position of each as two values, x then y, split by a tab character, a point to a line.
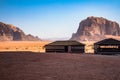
57	66
89	46
34	46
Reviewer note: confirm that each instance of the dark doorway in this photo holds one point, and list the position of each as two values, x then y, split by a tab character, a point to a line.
66	48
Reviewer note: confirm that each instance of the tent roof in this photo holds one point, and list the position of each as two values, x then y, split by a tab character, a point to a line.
108	41
66	43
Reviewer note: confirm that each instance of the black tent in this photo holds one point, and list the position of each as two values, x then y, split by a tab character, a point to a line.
67	46
107	46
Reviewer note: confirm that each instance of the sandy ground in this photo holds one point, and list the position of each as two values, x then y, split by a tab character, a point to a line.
34	46
89	46
58	66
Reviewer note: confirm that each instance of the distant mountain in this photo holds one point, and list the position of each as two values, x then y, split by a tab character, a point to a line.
96	28
9	32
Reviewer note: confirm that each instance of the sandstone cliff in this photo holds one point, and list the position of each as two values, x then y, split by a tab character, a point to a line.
96	28
11	33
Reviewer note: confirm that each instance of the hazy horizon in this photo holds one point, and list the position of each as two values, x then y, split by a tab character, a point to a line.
55	18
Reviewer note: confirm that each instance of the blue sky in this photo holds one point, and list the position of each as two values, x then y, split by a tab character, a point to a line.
55	18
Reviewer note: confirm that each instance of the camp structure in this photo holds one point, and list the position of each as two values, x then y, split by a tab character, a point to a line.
107	46
67	46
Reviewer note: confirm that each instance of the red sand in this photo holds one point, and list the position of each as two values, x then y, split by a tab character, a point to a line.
34	66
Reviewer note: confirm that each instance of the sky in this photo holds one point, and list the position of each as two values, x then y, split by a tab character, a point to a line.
50	19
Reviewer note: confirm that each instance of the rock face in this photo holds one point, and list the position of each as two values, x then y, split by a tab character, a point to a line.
96	28
11	33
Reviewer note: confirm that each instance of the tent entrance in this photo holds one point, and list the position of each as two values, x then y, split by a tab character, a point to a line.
66	48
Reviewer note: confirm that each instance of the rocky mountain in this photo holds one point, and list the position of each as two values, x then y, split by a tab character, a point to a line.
96	28
9	32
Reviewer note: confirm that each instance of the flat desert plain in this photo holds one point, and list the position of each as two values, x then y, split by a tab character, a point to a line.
58	66
34	46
